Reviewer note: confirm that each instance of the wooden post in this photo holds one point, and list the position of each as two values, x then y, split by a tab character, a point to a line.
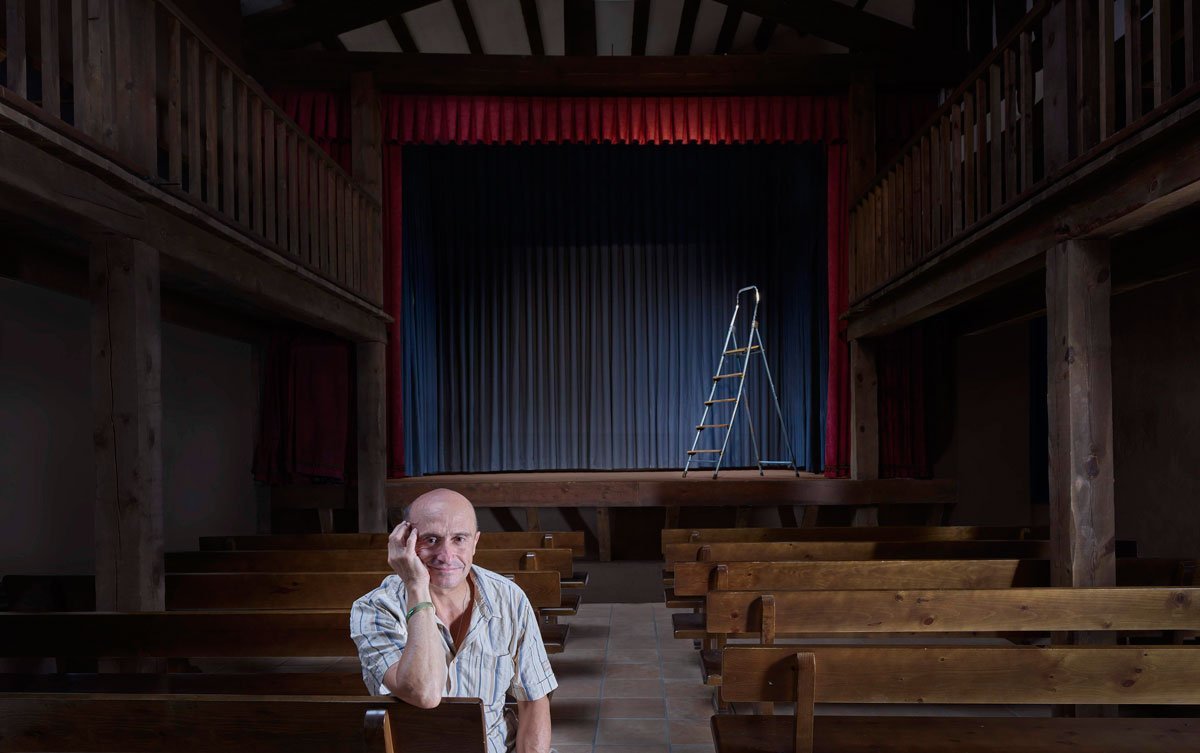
1059	85
604	533
127	425
1082	529
372	437
861	165
864	417
134	65
366	133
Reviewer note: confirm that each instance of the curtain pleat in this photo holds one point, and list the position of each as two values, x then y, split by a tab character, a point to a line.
565	305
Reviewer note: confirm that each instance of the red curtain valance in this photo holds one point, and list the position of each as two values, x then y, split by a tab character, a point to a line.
433	119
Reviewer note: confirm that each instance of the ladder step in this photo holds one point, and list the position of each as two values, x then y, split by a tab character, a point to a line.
728	376
721	400
698	452
736	351
711	426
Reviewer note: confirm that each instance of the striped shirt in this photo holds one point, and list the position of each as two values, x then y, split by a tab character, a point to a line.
501	653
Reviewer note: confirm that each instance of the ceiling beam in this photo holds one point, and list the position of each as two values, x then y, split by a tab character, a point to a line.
762	37
597	75
533	27
641	25
687	27
302	23
402	33
463	11
833	21
729	27
579	27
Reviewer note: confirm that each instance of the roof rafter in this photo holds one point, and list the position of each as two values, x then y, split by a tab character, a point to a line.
311	21
836	22
533	27
579	27
687	27
641	26
463	11
729	27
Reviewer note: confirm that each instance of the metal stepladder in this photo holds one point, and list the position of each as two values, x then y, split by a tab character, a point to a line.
741	356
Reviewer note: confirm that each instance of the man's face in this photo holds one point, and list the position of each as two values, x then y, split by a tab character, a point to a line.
446	541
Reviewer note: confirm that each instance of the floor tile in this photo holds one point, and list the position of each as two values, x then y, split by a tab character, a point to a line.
631	732
632	708
632	655
689	732
686	689
690	708
573	731
632	672
578	687
632	749
632	689
691	748
572	748
574	708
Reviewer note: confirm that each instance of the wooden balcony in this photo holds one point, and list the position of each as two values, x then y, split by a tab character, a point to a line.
1078	125
122	117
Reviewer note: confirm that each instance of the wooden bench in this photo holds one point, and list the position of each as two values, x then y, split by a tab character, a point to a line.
35	723
846	533
364	560
958	675
572	540
693	580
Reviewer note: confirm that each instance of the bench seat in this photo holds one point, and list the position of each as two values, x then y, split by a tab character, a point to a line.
890	734
688	625
568	608
578	579
554	637
674	601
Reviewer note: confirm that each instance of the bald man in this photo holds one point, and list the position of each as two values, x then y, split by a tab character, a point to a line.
442	627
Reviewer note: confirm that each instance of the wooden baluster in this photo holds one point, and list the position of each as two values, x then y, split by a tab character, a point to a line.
79	63
1162	51
355	272
936	173
343	245
901	218
228	144
174	103
314	211
968	152
1106	69
51	94
377	253
889	226
948	174
257	153
211	132
1088	77
956	183
926	199
995	140
16	60
244	166
982	169
285	174
1059	107
195	116
1012	159
1133	60
1027	144
852	255
270	179
331	220
1191	36
910	204
298	228
134	68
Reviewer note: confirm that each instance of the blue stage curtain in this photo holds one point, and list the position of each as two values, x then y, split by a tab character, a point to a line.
564	306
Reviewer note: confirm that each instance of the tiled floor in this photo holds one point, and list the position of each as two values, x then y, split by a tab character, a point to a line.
625	685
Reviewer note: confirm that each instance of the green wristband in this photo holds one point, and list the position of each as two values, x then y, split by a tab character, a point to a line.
423	605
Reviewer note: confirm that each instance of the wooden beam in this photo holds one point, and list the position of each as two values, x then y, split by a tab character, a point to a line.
366	134
372	436
1059	87
687	27
300	24
729	26
553	74
833	21
579	27
861	142
402	33
641	25
533	27
1082	521
463	11
864	411
127	424
762	37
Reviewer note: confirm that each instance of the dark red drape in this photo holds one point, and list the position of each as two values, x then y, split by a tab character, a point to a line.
902	381
633	120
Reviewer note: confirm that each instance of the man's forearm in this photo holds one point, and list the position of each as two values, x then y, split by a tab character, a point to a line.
419	677
533	726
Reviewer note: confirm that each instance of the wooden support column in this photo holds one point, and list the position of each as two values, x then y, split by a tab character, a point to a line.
366	133
372	437
1082	528
864	418
127	425
861	165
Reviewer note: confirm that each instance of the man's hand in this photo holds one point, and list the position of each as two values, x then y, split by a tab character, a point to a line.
402	557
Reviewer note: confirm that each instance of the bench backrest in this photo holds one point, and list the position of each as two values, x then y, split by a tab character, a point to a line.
354	560
188	683
780	613
572	540
845	533
959	674
698	578
257	724
854	550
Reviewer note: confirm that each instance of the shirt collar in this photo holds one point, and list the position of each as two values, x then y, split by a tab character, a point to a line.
486	597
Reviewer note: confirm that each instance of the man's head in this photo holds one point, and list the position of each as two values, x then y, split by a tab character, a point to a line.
447	532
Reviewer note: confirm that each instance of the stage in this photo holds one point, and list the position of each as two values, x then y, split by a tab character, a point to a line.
668	489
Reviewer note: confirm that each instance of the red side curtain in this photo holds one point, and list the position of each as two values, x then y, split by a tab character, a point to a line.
902	380
837	404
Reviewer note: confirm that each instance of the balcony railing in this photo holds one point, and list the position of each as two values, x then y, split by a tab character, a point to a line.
1064	85
140	81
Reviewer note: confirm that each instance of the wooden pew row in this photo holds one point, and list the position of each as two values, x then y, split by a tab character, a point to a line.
188	683
63	723
572	540
364	560
693	580
845	533
958	675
